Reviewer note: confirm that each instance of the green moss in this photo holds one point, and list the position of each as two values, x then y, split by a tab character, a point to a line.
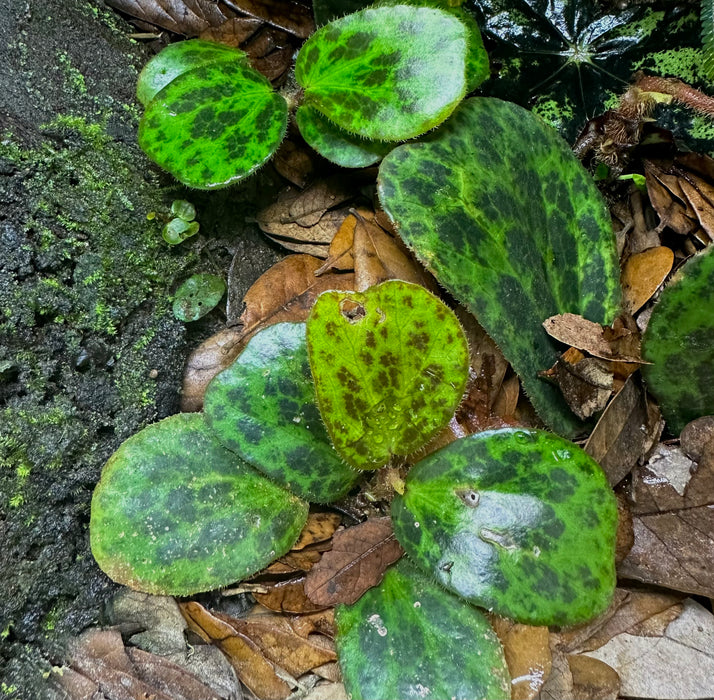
72	75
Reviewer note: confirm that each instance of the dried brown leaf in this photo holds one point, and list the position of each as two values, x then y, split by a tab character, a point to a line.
187	17
593	679
249	662
320	526
322	622
339	255
357	562
619	440
696	436
291	16
528	656
617	343
287	596
506	401
211	357
295	562
643	274
233	32
559	684
295	162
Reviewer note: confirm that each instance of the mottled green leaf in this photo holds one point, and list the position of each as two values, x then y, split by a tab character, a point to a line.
214	124
409	638
263	407
390	366
388	73
499	209
337	145
176	513
679	342
707	20
521	522
177	59
198	295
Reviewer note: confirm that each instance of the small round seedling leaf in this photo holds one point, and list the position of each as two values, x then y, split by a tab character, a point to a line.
679	342
388	73
183	210
521	522
198	295
214	125
177	59
337	145
408	638
390	366
263	407
496	205
178	230
176	513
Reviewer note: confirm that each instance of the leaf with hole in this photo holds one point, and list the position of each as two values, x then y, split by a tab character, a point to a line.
176	513
408	638
263	407
215	123
496	205
521	522
390	366
198	295
381	73
679	342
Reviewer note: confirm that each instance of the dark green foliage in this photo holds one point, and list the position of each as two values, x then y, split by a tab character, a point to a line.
263	407
408	638
215	123
390	366
499	209
679	342
198	295
707	19
381	73
337	145
520	522
176	513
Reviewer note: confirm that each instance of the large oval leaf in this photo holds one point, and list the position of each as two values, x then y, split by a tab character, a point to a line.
387	73
521	522
679	342
390	366
499	209
215	124
263	407
409	638
176	513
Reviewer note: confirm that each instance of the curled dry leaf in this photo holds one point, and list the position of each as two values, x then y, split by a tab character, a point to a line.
187	17
593	679
286	292
340	253
295	161
527	653
643	274
288	597
618	440
358	559
319	527
617	343
233	32
293	17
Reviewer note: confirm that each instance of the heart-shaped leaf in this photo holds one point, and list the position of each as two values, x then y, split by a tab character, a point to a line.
382	72
263	407
337	145
499	209
176	513
214	124
521	522
679	342
390	366
408	638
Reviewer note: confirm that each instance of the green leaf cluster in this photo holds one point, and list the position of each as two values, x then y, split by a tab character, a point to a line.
375	76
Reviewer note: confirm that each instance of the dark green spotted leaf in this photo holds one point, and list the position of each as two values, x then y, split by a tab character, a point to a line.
198	295
499	209
408	638
387	73
263	407
679	342
214	124
521	522
390	366
569	60
177	59
337	145
176	513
